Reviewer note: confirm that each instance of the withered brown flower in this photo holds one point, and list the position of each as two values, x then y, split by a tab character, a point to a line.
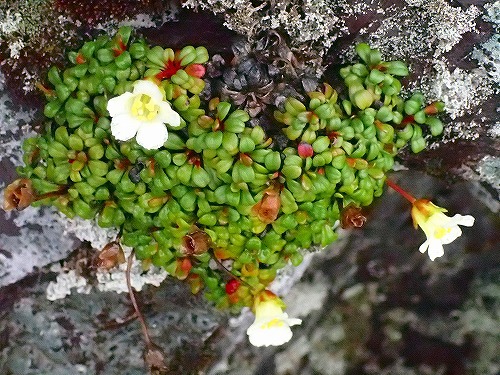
196	243
110	256
352	216
268	208
19	195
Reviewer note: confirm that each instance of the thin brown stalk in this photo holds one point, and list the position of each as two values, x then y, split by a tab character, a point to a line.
131	293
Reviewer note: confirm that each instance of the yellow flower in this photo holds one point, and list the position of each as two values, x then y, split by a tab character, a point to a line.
143	112
439	228
271	325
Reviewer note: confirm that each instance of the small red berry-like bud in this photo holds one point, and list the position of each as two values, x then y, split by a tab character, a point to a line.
232	286
305	150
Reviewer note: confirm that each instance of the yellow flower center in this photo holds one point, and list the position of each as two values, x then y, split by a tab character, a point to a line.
273	323
440	232
144	108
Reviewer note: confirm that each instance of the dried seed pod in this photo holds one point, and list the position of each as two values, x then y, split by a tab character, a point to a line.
196	243
268	208
110	256
352	217
19	195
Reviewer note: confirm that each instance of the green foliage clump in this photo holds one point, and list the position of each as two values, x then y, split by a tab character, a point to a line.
219	187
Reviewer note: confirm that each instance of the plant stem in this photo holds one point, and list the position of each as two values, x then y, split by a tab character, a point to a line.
401	191
142	322
52	194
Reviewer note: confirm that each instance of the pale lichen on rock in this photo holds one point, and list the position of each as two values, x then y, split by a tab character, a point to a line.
65	282
114	280
461	90
315	22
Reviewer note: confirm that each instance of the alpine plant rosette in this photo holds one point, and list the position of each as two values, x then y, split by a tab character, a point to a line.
128	141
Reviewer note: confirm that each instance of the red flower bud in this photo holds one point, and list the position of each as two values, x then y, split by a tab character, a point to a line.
305	150
232	286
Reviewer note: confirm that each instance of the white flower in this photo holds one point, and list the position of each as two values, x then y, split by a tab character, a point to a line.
271	325
439	228
143	112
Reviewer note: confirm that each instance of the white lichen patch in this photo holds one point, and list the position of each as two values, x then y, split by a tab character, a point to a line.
87	230
489	171
494	131
460	90
9	22
485	171
14	126
115	280
423	26
65	282
10	25
304	298
290	359
458	130
493	13
309	21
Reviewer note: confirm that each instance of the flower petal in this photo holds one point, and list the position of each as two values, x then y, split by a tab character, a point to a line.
466	221
435	250
167	115
424	246
124	127
120	104
148	88
293	321
152	135
275	336
453	233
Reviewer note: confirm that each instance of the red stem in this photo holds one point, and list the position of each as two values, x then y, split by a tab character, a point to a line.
400	190
61	191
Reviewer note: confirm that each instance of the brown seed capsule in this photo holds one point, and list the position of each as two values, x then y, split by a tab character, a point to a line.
196	243
352	217
19	195
268	208
110	256
155	358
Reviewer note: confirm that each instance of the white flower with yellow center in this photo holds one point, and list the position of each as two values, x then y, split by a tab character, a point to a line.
271	325
439	228
143	112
